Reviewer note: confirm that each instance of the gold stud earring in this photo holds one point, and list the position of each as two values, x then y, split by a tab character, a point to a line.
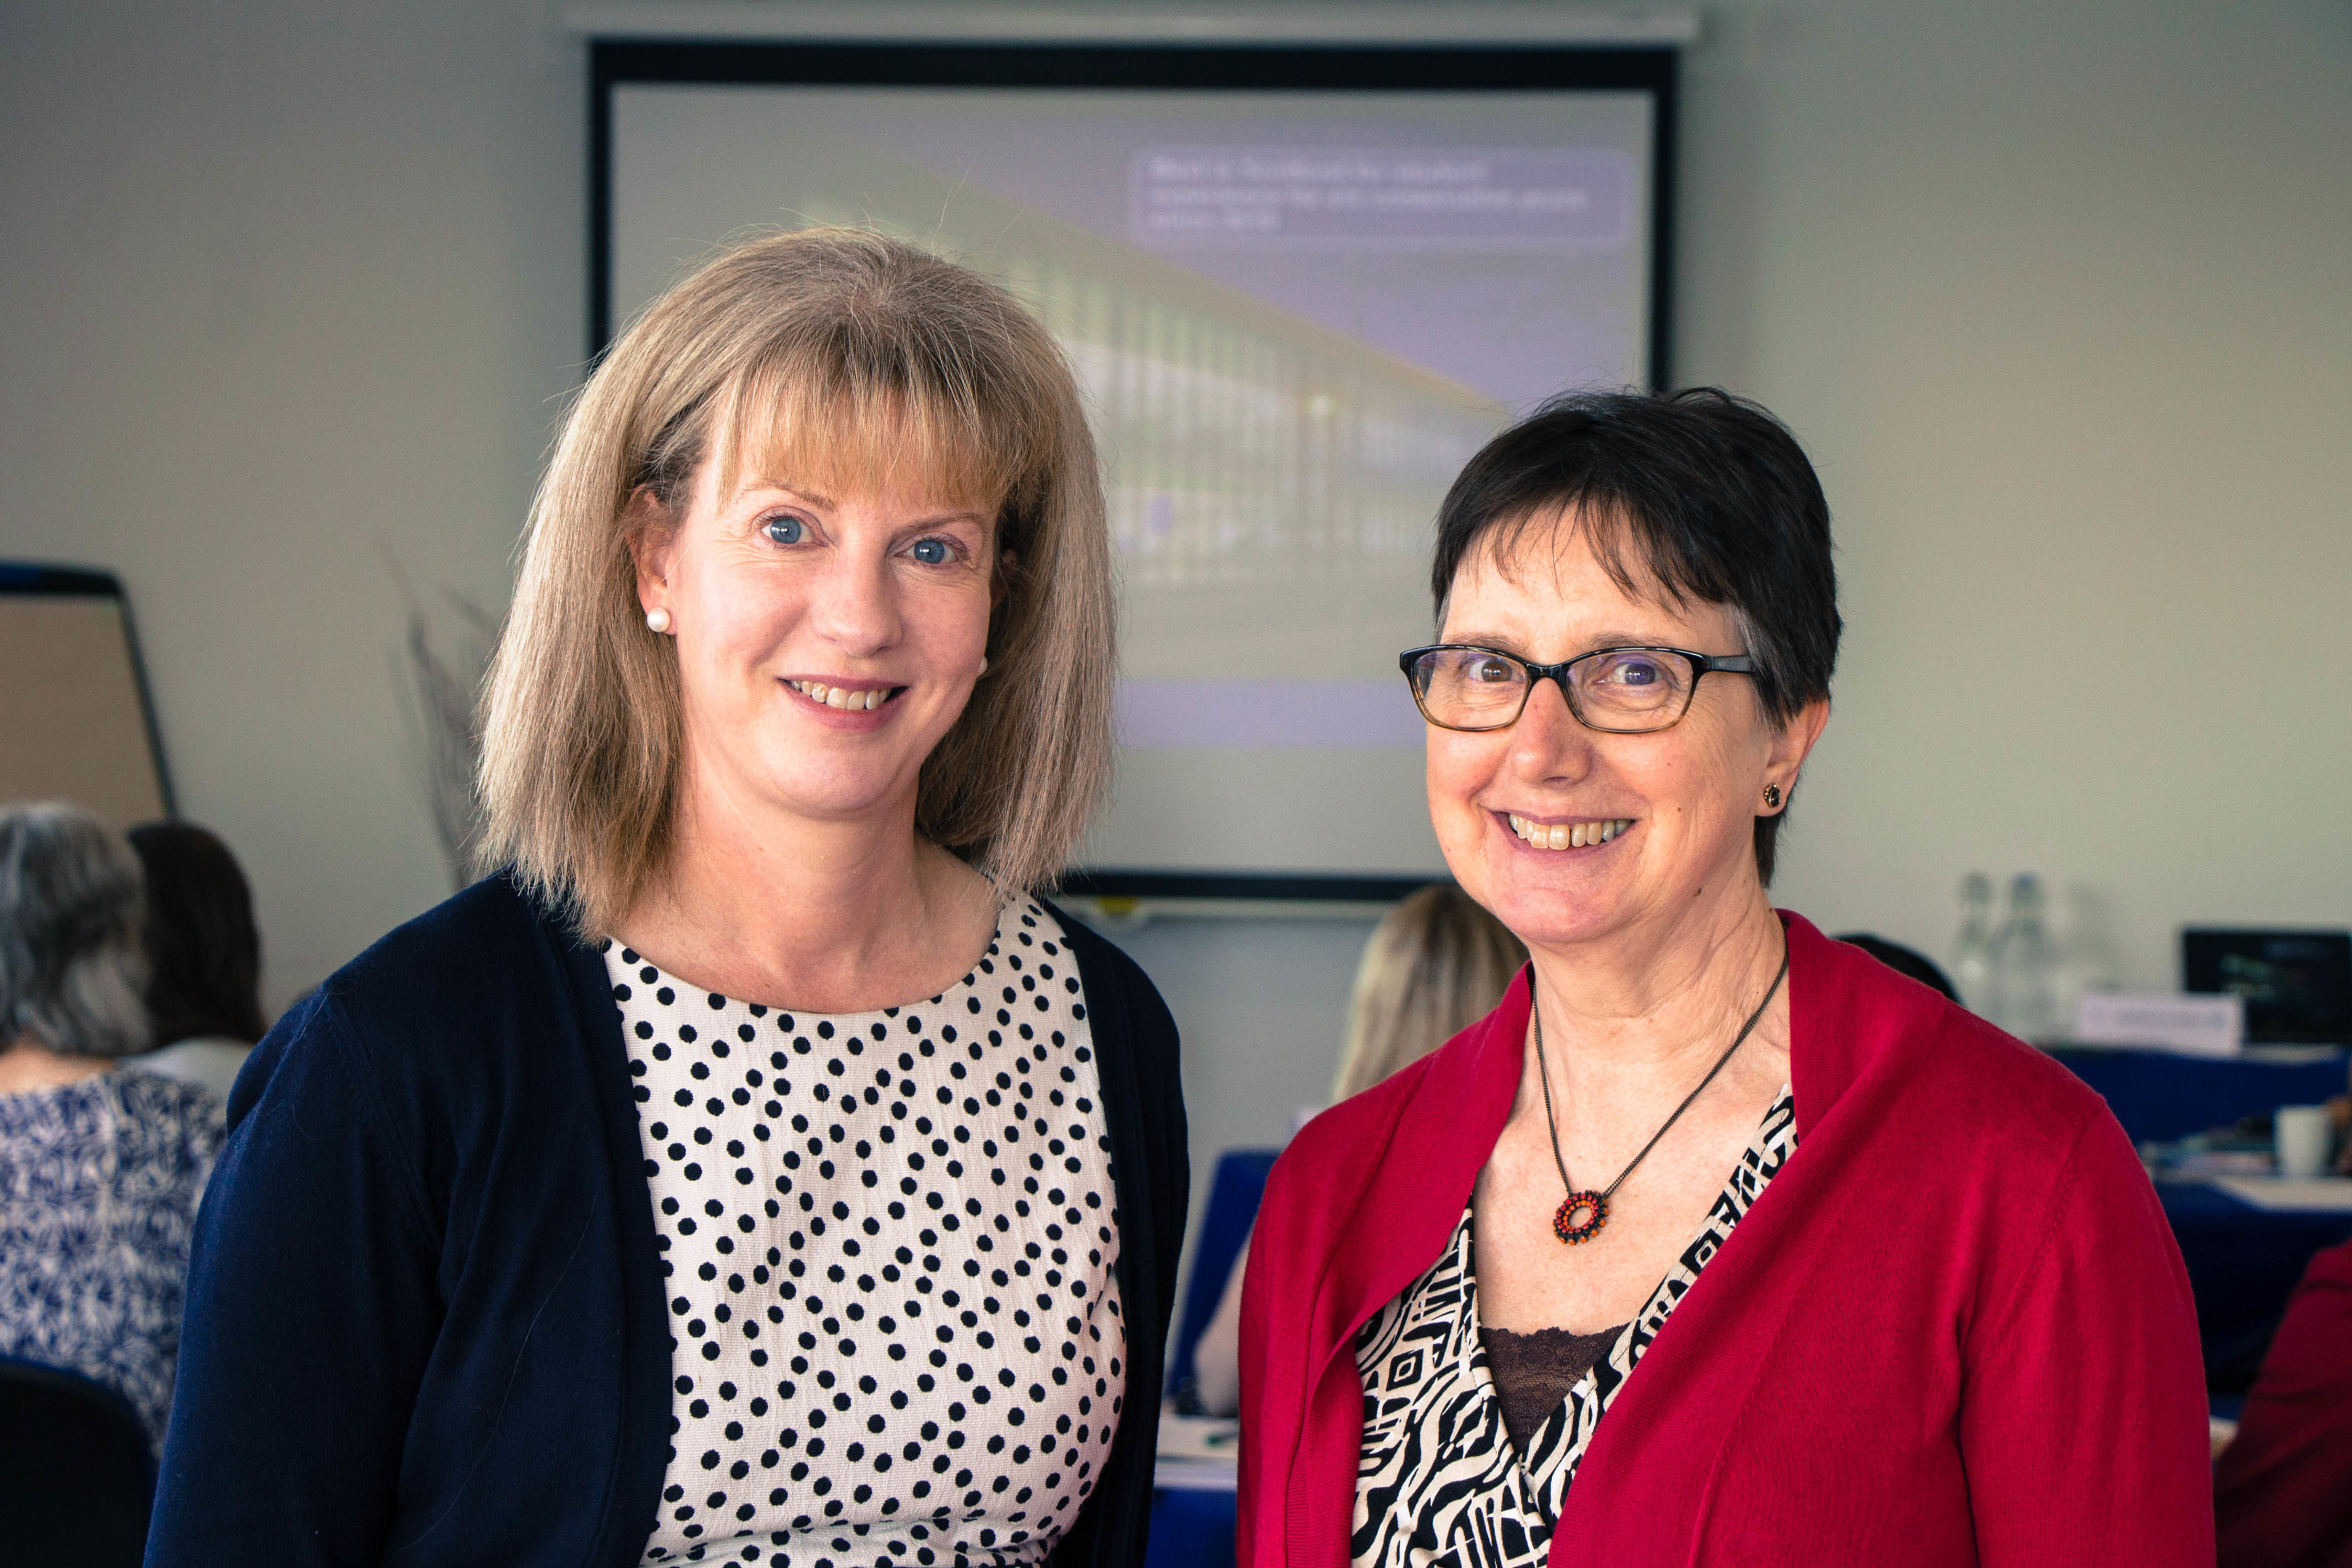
1772	795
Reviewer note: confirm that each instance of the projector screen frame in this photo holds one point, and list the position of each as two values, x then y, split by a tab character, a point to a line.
1434	67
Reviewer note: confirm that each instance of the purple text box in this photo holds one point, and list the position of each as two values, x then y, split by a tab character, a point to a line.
1378	199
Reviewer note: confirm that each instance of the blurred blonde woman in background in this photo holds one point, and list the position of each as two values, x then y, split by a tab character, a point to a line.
755	1170
1435	966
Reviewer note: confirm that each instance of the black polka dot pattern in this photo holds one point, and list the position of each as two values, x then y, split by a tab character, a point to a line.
889	1246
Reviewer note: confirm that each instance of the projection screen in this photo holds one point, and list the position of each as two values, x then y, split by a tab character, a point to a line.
1299	289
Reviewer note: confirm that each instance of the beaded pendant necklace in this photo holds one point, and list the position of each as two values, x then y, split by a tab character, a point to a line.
1581	1217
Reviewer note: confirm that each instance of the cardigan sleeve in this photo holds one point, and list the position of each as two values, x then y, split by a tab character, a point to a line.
311	1305
2284	1489
1143	1102
2083	1426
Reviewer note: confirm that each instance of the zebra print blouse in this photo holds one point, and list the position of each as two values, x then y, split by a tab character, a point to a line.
1440	1483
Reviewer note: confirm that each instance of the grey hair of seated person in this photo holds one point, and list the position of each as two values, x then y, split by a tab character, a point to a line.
72	973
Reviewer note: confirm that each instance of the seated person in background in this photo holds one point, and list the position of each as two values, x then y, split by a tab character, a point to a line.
100	1166
2283	1489
1905	960
204	956
1435	964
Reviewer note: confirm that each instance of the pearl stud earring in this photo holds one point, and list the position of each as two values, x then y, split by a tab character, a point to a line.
656	620
984	666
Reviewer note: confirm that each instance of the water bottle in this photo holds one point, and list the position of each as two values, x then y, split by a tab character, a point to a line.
2024	965
1972	951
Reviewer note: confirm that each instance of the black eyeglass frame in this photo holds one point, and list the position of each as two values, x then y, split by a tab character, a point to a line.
1702	665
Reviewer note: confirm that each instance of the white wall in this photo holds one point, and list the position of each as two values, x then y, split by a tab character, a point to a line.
281	285
2057	296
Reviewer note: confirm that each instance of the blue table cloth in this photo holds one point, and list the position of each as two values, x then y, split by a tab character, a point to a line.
2243	1263
2160	1097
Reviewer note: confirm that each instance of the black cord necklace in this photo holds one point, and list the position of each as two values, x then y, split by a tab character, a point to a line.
1595	1206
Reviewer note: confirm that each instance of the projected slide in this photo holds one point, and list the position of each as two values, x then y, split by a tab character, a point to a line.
1294	318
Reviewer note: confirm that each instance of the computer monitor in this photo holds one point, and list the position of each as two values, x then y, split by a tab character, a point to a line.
2297	984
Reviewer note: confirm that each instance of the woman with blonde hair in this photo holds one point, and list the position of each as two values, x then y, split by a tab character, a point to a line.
1435	966
755	1170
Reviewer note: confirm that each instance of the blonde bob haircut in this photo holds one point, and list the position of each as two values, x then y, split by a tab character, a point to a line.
846	362
1435	964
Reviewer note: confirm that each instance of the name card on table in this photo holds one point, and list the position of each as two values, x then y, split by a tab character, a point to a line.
2163	1021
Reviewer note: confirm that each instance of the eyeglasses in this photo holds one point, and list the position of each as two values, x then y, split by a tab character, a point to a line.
1616	690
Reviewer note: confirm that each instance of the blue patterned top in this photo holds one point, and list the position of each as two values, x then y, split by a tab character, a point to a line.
98	1186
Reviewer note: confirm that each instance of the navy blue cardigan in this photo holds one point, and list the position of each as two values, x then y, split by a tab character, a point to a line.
425	1322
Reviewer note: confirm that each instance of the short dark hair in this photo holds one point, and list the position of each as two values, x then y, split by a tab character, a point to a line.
1904	960
204	952
1698	495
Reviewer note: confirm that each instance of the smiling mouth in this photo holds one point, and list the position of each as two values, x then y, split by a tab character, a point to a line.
842	696
1568	835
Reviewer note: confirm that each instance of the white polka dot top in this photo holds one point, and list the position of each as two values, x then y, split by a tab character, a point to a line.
889	1244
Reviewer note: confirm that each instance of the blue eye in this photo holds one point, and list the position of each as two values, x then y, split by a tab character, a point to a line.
931	551
786	530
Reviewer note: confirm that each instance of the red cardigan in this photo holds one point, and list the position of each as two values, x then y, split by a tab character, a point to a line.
1955	1330
2284	1489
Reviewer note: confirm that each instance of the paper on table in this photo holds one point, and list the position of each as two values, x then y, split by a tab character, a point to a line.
2326	1192
1198	1453
1212	1438
1197	1476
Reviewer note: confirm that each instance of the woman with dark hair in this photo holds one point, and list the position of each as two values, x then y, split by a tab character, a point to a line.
1719	1242
102	1165
204	956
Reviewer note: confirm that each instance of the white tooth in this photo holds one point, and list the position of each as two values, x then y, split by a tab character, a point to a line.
835	697
1557	836
1608	832
1519	824
873	698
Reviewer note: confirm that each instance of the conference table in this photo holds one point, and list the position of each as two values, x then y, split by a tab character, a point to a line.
2243	1262
2244	1257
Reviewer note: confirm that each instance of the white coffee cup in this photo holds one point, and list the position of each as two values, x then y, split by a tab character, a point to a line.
2304	1134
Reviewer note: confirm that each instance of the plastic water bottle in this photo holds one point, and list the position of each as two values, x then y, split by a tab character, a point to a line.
2024	965
1972	951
